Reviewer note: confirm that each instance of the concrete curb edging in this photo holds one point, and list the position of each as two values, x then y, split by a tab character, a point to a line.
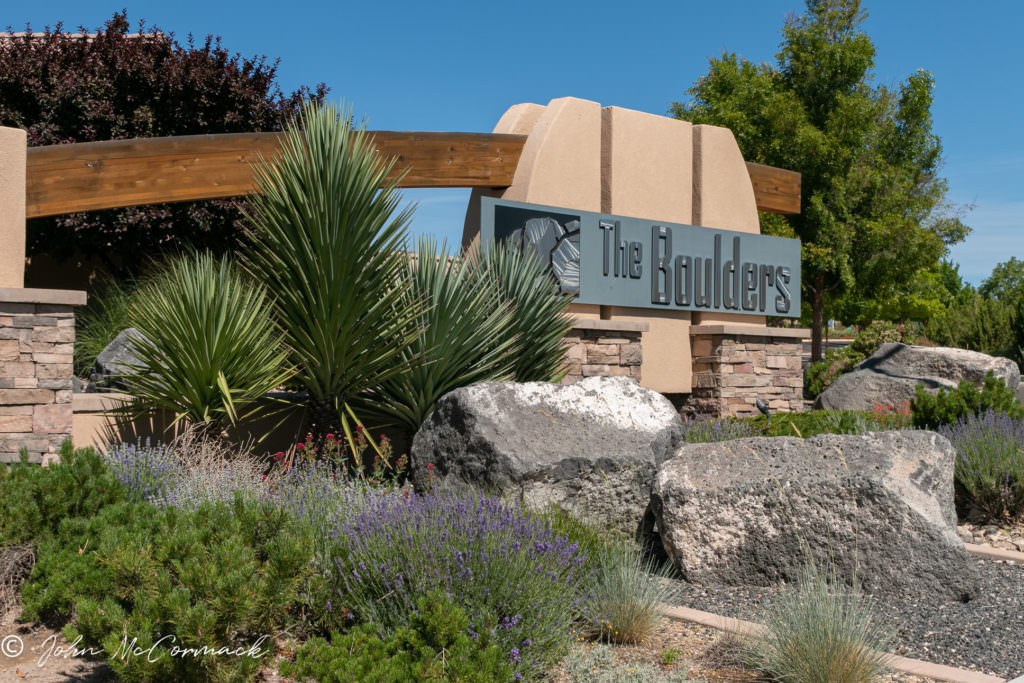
902	664
994	553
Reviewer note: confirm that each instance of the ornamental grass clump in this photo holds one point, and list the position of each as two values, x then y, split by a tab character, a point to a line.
990	462
624	601
819	631
515	578
714	431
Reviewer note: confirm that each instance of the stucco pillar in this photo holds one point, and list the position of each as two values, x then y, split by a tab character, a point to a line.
647	172
723	197
13	152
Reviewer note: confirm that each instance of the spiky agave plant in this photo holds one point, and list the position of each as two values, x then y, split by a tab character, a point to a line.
466	336
540	320
208	348
327	238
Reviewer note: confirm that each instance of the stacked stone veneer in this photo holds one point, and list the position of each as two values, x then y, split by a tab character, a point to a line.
37	335
732	368
603	348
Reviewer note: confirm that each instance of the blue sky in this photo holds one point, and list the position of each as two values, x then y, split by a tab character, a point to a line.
458	65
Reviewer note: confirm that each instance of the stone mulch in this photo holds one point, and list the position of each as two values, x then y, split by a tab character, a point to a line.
1008	535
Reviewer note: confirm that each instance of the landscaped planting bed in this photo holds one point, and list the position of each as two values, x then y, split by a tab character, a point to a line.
983	634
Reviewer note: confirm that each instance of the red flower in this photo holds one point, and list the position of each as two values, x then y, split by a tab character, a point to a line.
329	437
299	446
359	428
430	465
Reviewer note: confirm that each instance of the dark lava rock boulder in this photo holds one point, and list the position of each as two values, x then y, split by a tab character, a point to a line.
115	360
878	506
891	373
591	447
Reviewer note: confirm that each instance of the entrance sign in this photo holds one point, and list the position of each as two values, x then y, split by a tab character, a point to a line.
621	261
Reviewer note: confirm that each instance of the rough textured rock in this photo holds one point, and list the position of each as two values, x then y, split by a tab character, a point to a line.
892	372
590	447
879	506
114	360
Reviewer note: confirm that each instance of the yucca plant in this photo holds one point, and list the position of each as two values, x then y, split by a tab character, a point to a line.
209	347
327	238
466	336
540	319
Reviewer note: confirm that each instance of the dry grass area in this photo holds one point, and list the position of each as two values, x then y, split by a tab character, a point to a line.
696	652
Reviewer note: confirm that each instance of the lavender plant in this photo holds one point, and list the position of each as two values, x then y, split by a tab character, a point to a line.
192	469
512	574
990	461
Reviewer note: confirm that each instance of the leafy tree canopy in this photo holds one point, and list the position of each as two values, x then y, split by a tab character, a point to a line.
1006	282
874	212
112	84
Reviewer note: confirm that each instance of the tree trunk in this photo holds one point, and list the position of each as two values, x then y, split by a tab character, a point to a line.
817	316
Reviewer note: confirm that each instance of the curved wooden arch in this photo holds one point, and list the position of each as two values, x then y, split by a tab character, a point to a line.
102	175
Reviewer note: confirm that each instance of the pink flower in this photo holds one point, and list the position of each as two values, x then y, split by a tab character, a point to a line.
299	446
264	477
359	428
430	465
330	437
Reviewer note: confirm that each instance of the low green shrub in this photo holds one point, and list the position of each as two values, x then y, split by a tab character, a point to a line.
946	407
439	645
877	333
819	376
34	499
221	576
819	631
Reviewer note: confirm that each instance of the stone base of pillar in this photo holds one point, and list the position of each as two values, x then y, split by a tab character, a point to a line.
603	348
37	339
734	365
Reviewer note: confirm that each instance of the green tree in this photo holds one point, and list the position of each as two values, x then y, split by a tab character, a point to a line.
874	213
1006	282
114	84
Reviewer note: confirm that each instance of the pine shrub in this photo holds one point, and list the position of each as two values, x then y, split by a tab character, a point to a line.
438	645
929	411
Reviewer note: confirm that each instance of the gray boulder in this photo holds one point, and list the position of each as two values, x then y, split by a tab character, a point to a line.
891	373
591	447
115	360
878	506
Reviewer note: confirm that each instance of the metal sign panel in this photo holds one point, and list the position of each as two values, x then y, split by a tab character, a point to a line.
622	261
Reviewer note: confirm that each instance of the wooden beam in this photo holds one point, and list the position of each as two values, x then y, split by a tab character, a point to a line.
103	175
776	190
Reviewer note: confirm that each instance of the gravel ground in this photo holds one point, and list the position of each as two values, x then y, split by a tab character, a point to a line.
985	634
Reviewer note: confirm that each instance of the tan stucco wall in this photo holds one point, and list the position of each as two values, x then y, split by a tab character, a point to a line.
613	160
13	151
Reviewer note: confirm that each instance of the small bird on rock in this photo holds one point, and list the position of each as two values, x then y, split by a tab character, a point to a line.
763	407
